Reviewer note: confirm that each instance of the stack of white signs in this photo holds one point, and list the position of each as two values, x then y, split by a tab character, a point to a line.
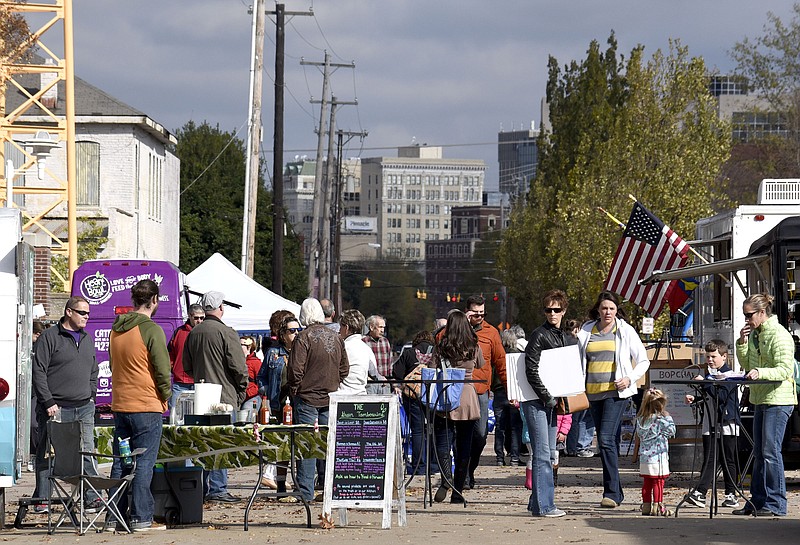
559	368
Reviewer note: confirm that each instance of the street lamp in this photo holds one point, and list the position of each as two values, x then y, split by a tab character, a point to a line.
41	145
503	300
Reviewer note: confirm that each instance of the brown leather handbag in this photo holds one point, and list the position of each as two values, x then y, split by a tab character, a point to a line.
572	404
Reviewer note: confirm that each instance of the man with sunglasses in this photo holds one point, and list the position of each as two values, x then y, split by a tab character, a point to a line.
64	378
181	381
495	369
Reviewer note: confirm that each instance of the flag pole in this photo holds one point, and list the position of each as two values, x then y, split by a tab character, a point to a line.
615	220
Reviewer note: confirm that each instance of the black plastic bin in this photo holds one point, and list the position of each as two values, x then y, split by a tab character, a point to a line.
178	494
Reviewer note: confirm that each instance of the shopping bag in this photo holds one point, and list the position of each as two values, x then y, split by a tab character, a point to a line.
442	396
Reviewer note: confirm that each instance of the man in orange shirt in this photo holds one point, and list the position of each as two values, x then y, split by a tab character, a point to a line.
140	382
495	356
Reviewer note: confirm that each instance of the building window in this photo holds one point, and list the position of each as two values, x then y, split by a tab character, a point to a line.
87	170
154	186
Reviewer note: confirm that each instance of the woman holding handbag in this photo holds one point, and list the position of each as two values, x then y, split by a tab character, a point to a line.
457	348
540	414
614	358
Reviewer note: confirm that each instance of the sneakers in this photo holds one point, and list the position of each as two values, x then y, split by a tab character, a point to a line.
555	513
731	501
608	503
41	508
699	500
147	526
584	453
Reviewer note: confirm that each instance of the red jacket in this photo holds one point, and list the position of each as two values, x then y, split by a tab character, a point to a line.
175	348
253	367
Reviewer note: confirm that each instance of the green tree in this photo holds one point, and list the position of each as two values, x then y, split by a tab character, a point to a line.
391	293
771	64
656	136
212	204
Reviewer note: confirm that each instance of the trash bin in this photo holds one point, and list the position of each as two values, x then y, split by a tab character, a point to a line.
178	494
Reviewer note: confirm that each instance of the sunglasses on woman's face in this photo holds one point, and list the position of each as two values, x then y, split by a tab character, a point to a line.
552	310
294	330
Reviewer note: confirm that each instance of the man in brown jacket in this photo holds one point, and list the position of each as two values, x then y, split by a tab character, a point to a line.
495	356
213	354
317	364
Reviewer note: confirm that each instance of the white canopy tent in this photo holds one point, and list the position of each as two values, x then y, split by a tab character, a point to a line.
258	303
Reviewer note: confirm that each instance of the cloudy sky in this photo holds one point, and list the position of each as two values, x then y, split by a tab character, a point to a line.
443	72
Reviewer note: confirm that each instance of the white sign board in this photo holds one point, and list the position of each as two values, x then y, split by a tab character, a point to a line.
648	325
559	368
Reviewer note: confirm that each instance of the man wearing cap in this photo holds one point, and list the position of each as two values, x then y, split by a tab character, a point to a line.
213	354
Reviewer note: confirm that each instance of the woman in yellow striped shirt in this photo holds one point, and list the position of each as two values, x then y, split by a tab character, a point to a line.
614	359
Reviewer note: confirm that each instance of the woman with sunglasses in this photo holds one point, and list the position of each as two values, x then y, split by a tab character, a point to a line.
614	358
540	414
272	382
765	349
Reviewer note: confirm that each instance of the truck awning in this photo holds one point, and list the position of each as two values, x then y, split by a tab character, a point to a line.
717	267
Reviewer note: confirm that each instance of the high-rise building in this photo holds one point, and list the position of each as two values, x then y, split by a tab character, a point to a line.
518	157
411	196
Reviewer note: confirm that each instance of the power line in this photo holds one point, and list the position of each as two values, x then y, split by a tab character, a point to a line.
215	158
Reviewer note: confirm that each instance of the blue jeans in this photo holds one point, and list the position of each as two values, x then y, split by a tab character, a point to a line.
479	432
177	389
144	431
607	416
768	486
83	414
215	482
581	433
307	414
416	420
507	421
541	423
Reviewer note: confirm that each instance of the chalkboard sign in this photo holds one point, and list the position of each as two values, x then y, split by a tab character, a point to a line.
364	460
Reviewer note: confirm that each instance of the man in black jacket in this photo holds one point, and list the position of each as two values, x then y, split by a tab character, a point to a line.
65	381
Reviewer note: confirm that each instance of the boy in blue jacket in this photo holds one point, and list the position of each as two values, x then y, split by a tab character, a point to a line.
717	360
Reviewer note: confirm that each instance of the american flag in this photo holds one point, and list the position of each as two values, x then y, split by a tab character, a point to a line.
647	245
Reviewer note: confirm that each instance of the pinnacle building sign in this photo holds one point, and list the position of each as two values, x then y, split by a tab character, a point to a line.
360	224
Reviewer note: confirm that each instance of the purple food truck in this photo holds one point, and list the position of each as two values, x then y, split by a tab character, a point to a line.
106	285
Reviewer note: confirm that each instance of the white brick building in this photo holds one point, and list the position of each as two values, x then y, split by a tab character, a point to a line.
128	177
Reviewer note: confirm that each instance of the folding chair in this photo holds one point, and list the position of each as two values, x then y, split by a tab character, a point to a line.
66	465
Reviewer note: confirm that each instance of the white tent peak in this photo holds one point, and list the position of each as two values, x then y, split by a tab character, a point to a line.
258	303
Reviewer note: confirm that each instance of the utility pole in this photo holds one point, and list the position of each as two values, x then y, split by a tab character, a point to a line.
328	233
315	253
252	170
336	286
278	219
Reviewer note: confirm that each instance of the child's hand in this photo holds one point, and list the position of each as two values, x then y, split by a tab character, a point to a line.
665	413
561	437
689	398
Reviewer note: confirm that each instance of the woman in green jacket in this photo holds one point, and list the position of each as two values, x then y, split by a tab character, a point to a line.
765	350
